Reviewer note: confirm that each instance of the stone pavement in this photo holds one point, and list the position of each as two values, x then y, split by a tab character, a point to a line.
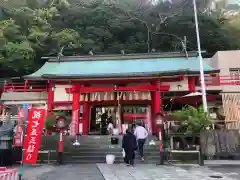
222	162
33	173
153	172
65	172
122	172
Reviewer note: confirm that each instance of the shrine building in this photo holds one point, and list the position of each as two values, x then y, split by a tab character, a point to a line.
125	87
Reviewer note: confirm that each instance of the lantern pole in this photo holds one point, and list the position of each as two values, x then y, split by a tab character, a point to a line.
202	79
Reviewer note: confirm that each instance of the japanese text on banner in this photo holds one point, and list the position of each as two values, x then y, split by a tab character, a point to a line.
34	135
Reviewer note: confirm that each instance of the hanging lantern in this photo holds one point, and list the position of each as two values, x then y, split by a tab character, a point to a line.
98	96
86	97
149	96
130	96
81	97
91	96
124	96
95	96
105	96
144	96
136	95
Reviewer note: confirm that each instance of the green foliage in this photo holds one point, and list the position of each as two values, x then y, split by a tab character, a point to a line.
192	120
50	122
31	29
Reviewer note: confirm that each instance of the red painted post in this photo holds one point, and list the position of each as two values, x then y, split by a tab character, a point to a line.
50	103
60	146
76	104
159	125
60	142
157	105
25	85
86	118
5	86
191	84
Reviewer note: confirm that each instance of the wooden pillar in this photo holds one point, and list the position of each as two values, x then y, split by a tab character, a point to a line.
76	105
86	120
50	103
156	105
191	84
119	111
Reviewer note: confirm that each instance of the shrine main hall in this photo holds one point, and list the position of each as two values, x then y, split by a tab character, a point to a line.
125	87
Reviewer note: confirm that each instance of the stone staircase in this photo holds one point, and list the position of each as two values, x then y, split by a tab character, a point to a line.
93	149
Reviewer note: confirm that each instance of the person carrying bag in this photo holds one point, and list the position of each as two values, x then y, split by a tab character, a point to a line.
129	145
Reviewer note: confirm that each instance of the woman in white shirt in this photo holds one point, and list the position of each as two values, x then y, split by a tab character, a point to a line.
141	136
110	127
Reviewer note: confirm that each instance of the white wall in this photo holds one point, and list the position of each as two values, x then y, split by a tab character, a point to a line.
178	86
60	93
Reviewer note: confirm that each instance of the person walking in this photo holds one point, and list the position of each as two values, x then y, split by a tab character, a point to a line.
129	144
110	127
141	135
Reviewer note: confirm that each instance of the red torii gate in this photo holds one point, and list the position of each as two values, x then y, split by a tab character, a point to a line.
77	89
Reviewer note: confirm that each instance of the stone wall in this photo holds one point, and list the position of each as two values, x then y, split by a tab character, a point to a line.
220	142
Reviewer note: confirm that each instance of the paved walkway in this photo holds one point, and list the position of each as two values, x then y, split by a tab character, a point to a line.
153	172
222	162
122	172
35	172
65	172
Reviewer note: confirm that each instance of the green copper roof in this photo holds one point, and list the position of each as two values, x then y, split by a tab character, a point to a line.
86	68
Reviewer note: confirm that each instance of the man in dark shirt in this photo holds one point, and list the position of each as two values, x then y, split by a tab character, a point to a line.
129	144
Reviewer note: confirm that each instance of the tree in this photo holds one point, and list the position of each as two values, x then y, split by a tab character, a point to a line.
213	36
150	14
232	27
39	28
29	34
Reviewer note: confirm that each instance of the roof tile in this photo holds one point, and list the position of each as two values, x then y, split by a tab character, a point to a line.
108	68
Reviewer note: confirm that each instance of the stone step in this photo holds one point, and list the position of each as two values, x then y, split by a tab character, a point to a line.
87	139
101	147
93	149
116	162
118	159
147	156
101	157
105	153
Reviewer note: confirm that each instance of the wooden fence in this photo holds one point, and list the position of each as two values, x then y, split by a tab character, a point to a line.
231	107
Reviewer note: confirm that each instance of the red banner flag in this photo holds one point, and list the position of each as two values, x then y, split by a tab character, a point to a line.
34	135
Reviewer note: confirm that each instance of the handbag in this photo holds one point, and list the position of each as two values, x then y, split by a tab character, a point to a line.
114	140
123	153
